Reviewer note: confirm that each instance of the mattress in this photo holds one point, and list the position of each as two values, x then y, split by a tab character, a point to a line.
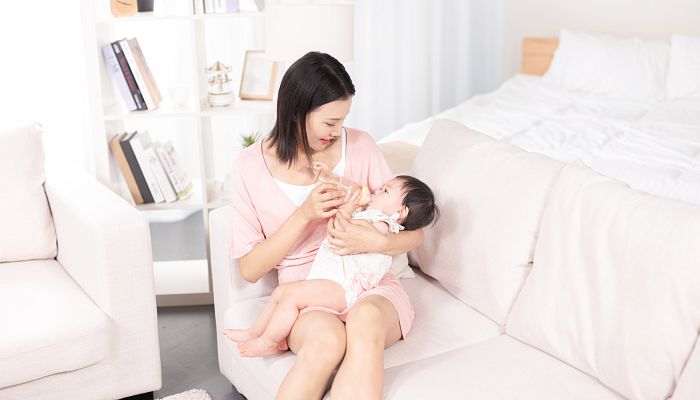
654	146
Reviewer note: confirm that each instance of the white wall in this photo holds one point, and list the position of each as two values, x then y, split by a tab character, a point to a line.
648	18
42	76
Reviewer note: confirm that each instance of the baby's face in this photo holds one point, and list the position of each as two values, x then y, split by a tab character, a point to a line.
389	197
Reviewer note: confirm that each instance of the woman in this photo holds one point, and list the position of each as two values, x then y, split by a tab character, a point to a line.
281	218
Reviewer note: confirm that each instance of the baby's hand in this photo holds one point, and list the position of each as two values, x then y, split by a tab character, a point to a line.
349	205
351	197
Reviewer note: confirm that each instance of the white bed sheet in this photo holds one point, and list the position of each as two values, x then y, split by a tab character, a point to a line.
654	146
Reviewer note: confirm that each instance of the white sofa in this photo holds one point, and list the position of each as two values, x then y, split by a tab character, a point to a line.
541	280
77	303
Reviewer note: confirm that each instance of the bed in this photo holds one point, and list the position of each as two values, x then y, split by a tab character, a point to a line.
651	143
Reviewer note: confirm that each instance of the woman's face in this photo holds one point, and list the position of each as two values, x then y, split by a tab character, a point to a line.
324	124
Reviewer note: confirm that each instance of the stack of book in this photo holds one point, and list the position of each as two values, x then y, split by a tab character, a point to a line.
134	79
152	170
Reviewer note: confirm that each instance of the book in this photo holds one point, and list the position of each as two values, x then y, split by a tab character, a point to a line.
225	6
140	81
163	181
139	149
113	65
198	6
128	76
151	86
209	6
135	168
159	174
174	169
118	152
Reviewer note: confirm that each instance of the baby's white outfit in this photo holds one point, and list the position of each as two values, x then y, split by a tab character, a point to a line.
356	273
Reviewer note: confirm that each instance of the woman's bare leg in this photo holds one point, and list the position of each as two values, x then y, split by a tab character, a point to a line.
318	339
372	325
295	297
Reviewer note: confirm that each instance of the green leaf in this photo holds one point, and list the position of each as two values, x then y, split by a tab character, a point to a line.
248	140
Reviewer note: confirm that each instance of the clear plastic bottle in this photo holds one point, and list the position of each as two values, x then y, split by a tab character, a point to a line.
323	174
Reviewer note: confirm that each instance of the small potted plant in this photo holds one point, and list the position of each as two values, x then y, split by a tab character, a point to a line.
250	139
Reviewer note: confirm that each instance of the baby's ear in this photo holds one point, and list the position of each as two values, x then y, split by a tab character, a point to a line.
403	212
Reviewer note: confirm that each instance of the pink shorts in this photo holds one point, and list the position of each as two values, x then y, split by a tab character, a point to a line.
389	288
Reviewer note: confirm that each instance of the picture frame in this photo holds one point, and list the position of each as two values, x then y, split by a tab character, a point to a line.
258	77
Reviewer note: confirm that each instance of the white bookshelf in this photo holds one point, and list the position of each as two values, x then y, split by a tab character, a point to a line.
178	45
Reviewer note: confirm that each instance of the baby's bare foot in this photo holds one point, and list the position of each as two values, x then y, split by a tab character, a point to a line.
240	335
258	347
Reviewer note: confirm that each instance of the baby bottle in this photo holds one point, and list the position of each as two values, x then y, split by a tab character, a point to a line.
323	174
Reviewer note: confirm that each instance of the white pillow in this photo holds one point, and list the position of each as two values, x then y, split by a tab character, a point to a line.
400	267
491	197
26	226
614	286
610	65
684	67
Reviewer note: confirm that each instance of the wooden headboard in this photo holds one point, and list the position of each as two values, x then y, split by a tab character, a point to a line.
537	54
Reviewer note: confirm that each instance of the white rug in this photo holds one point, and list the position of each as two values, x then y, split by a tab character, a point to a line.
194	394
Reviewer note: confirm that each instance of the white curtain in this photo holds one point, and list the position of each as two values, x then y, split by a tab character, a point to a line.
415	58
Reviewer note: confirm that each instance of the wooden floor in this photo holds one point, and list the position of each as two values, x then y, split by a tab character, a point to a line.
188	353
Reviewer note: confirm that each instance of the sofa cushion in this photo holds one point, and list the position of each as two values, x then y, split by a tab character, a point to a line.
443	323
614	287
49	325
26	231
491	197
499	368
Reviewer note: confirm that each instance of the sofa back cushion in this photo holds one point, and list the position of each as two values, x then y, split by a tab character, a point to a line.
491	197
615	285
26	227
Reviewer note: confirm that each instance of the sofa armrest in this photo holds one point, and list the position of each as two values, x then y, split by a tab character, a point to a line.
104	245
229	285
688	386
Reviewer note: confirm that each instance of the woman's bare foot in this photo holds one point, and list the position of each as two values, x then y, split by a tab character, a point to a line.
240	335
260	347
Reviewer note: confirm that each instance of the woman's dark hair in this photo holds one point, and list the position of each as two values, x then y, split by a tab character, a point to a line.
420	201
312	81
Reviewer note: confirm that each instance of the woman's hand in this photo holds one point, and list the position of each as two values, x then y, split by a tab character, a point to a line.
354	236
322	202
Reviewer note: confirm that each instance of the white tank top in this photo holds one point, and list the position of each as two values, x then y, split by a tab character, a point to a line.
298	193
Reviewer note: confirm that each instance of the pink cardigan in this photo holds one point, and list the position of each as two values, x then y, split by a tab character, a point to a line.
260	207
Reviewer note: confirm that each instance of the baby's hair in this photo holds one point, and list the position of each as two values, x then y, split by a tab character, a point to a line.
420	201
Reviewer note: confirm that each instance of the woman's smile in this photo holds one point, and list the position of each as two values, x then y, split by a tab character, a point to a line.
326	142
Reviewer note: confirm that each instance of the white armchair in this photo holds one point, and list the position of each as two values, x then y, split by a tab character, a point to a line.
230	291
77	300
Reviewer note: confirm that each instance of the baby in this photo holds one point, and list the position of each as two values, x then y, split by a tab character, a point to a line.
334	281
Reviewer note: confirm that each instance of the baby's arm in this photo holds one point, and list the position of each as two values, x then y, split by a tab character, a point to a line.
346	209
381	226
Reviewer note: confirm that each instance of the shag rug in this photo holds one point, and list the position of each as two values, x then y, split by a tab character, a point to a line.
194	394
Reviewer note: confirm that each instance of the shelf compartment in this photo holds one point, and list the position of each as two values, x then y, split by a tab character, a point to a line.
240	107
181	276
237	15
194	202
113	114
142	17
150	16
